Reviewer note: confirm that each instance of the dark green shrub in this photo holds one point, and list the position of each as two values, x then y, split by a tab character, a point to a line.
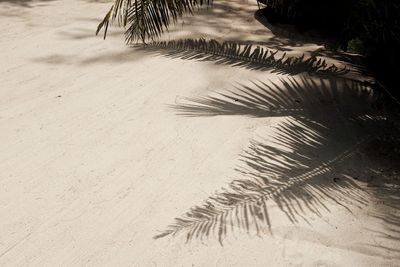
355	45
370	27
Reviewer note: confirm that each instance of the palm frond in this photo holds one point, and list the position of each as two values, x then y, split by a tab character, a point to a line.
244	55
147	19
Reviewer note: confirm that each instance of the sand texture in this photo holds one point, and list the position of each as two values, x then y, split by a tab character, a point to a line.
116	155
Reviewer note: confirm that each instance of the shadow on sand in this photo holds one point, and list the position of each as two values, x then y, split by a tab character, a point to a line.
253	57
301	168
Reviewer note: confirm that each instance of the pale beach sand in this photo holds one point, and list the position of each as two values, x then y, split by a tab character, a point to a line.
103	145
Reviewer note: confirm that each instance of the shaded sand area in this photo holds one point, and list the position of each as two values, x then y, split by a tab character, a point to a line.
263	163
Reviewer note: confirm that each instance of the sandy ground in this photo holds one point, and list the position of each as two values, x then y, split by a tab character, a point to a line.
103	145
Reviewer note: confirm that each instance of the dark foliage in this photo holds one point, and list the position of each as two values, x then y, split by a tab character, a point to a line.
370	27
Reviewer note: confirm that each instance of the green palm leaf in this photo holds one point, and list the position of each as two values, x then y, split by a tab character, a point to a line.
147	19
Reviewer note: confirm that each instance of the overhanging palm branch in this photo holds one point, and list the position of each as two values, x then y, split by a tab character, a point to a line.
244	55
147	19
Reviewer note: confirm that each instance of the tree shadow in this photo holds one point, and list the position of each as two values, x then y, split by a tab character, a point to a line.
242	55
31	3
383	156
115	57
24	3
300	168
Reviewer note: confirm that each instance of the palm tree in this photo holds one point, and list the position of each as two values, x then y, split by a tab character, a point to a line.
147	19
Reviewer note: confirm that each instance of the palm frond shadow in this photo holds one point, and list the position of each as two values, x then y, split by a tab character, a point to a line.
287	171
286	174
384	155
243	55
307	98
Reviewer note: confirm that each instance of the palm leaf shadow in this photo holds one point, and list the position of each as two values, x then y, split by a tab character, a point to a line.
384	155
243	55
306	98
288	170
